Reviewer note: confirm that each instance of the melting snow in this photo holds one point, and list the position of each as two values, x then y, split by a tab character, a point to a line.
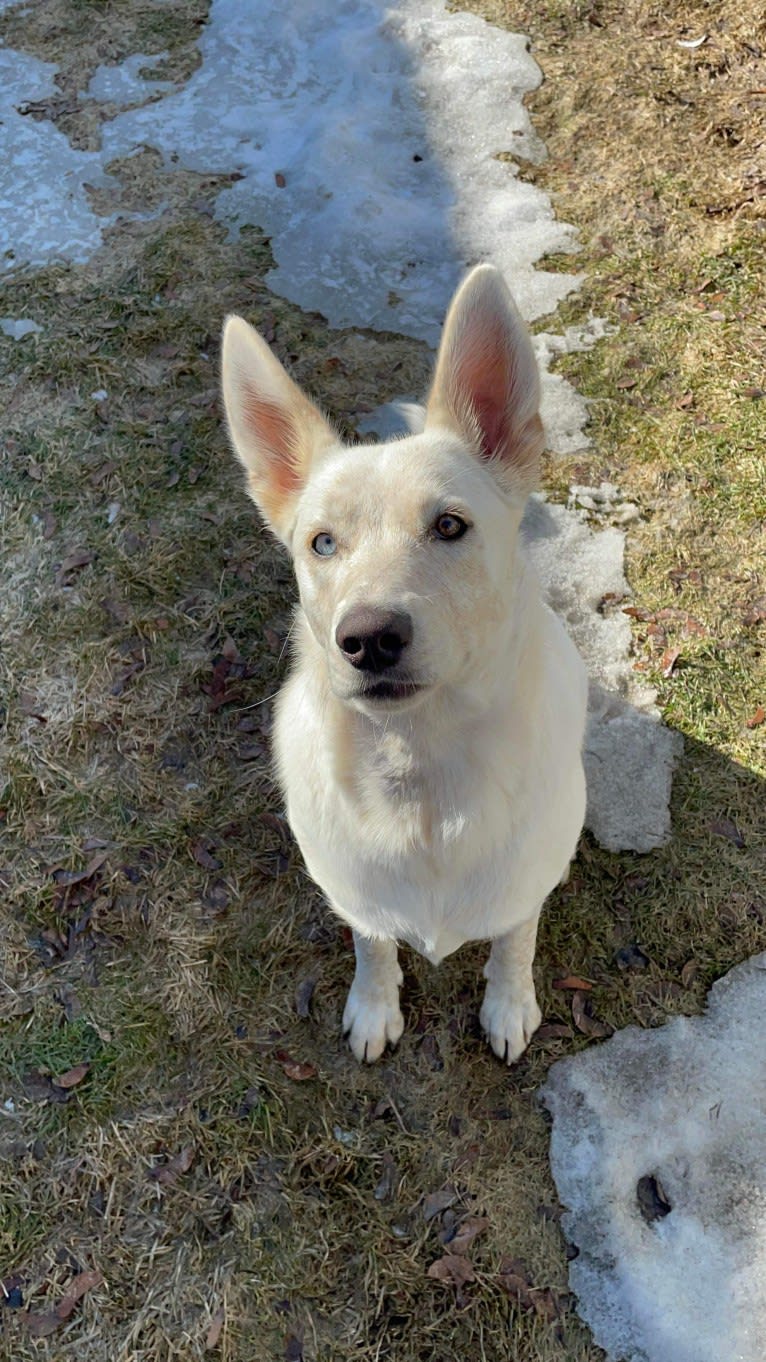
659	1154
123	84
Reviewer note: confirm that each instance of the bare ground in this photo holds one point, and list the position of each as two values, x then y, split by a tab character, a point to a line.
239	1186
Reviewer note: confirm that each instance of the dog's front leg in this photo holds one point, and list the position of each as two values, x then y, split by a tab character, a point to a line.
372	1015
510	1015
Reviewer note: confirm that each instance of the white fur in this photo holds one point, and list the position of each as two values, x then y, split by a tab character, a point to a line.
448	816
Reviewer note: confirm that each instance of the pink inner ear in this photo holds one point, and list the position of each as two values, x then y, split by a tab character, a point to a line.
274	434
483	380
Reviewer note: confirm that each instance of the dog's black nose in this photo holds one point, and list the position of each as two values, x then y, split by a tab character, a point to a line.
373	640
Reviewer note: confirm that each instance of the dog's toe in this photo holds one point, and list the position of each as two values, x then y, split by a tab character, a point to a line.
369	1024
509	1023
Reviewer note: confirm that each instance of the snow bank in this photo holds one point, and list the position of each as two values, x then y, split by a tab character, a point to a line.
659	1154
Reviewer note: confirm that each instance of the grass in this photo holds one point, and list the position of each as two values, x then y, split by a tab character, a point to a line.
137	685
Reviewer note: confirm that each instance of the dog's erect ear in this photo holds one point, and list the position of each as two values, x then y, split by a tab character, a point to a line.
486	386
275	430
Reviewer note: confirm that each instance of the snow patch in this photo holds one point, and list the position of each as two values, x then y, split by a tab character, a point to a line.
122	84
659	1153
16	329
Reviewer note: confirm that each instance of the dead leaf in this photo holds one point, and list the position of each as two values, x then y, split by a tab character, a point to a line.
303	994
118	611
689	973
545	1303
202	853
215	1330
126	675
453	1269
572	981
274	641
230	651
49	525
514	1280
756	613
29	707
589	1026
468	1230
626	382
251	751
631	957
466	1157
84	1281
105	471
168	1172
70	877
276	824
73	1076
436	1202
669	659
79	558
757	719
219	689
725	827
389	1178
637	612
553	1031
294	1069
40	1326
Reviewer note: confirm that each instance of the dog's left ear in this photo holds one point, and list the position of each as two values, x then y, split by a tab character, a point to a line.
275	430
486	387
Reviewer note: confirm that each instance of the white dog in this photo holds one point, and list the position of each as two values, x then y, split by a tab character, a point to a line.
429	736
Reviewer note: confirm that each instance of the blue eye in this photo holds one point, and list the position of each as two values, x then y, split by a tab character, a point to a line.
449	526
324	545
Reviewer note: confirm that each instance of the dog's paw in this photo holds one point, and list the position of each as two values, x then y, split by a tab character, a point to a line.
509	1023
369	1021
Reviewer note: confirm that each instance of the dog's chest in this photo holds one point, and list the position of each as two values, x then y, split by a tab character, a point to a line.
418	806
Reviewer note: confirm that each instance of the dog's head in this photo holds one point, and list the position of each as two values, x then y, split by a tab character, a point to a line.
405	551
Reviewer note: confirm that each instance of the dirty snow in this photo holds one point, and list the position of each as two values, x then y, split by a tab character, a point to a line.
366	138
684	1105
44	210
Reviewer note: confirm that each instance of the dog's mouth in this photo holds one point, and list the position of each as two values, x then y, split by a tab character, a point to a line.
389	692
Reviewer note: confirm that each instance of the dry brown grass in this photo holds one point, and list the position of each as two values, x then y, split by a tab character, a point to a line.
137	689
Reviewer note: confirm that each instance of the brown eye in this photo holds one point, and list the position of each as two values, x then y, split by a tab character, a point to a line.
449	526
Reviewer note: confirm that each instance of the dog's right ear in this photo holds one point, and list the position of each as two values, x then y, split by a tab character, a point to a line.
274	428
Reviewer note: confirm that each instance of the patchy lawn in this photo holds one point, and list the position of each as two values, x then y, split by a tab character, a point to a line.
179	1117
